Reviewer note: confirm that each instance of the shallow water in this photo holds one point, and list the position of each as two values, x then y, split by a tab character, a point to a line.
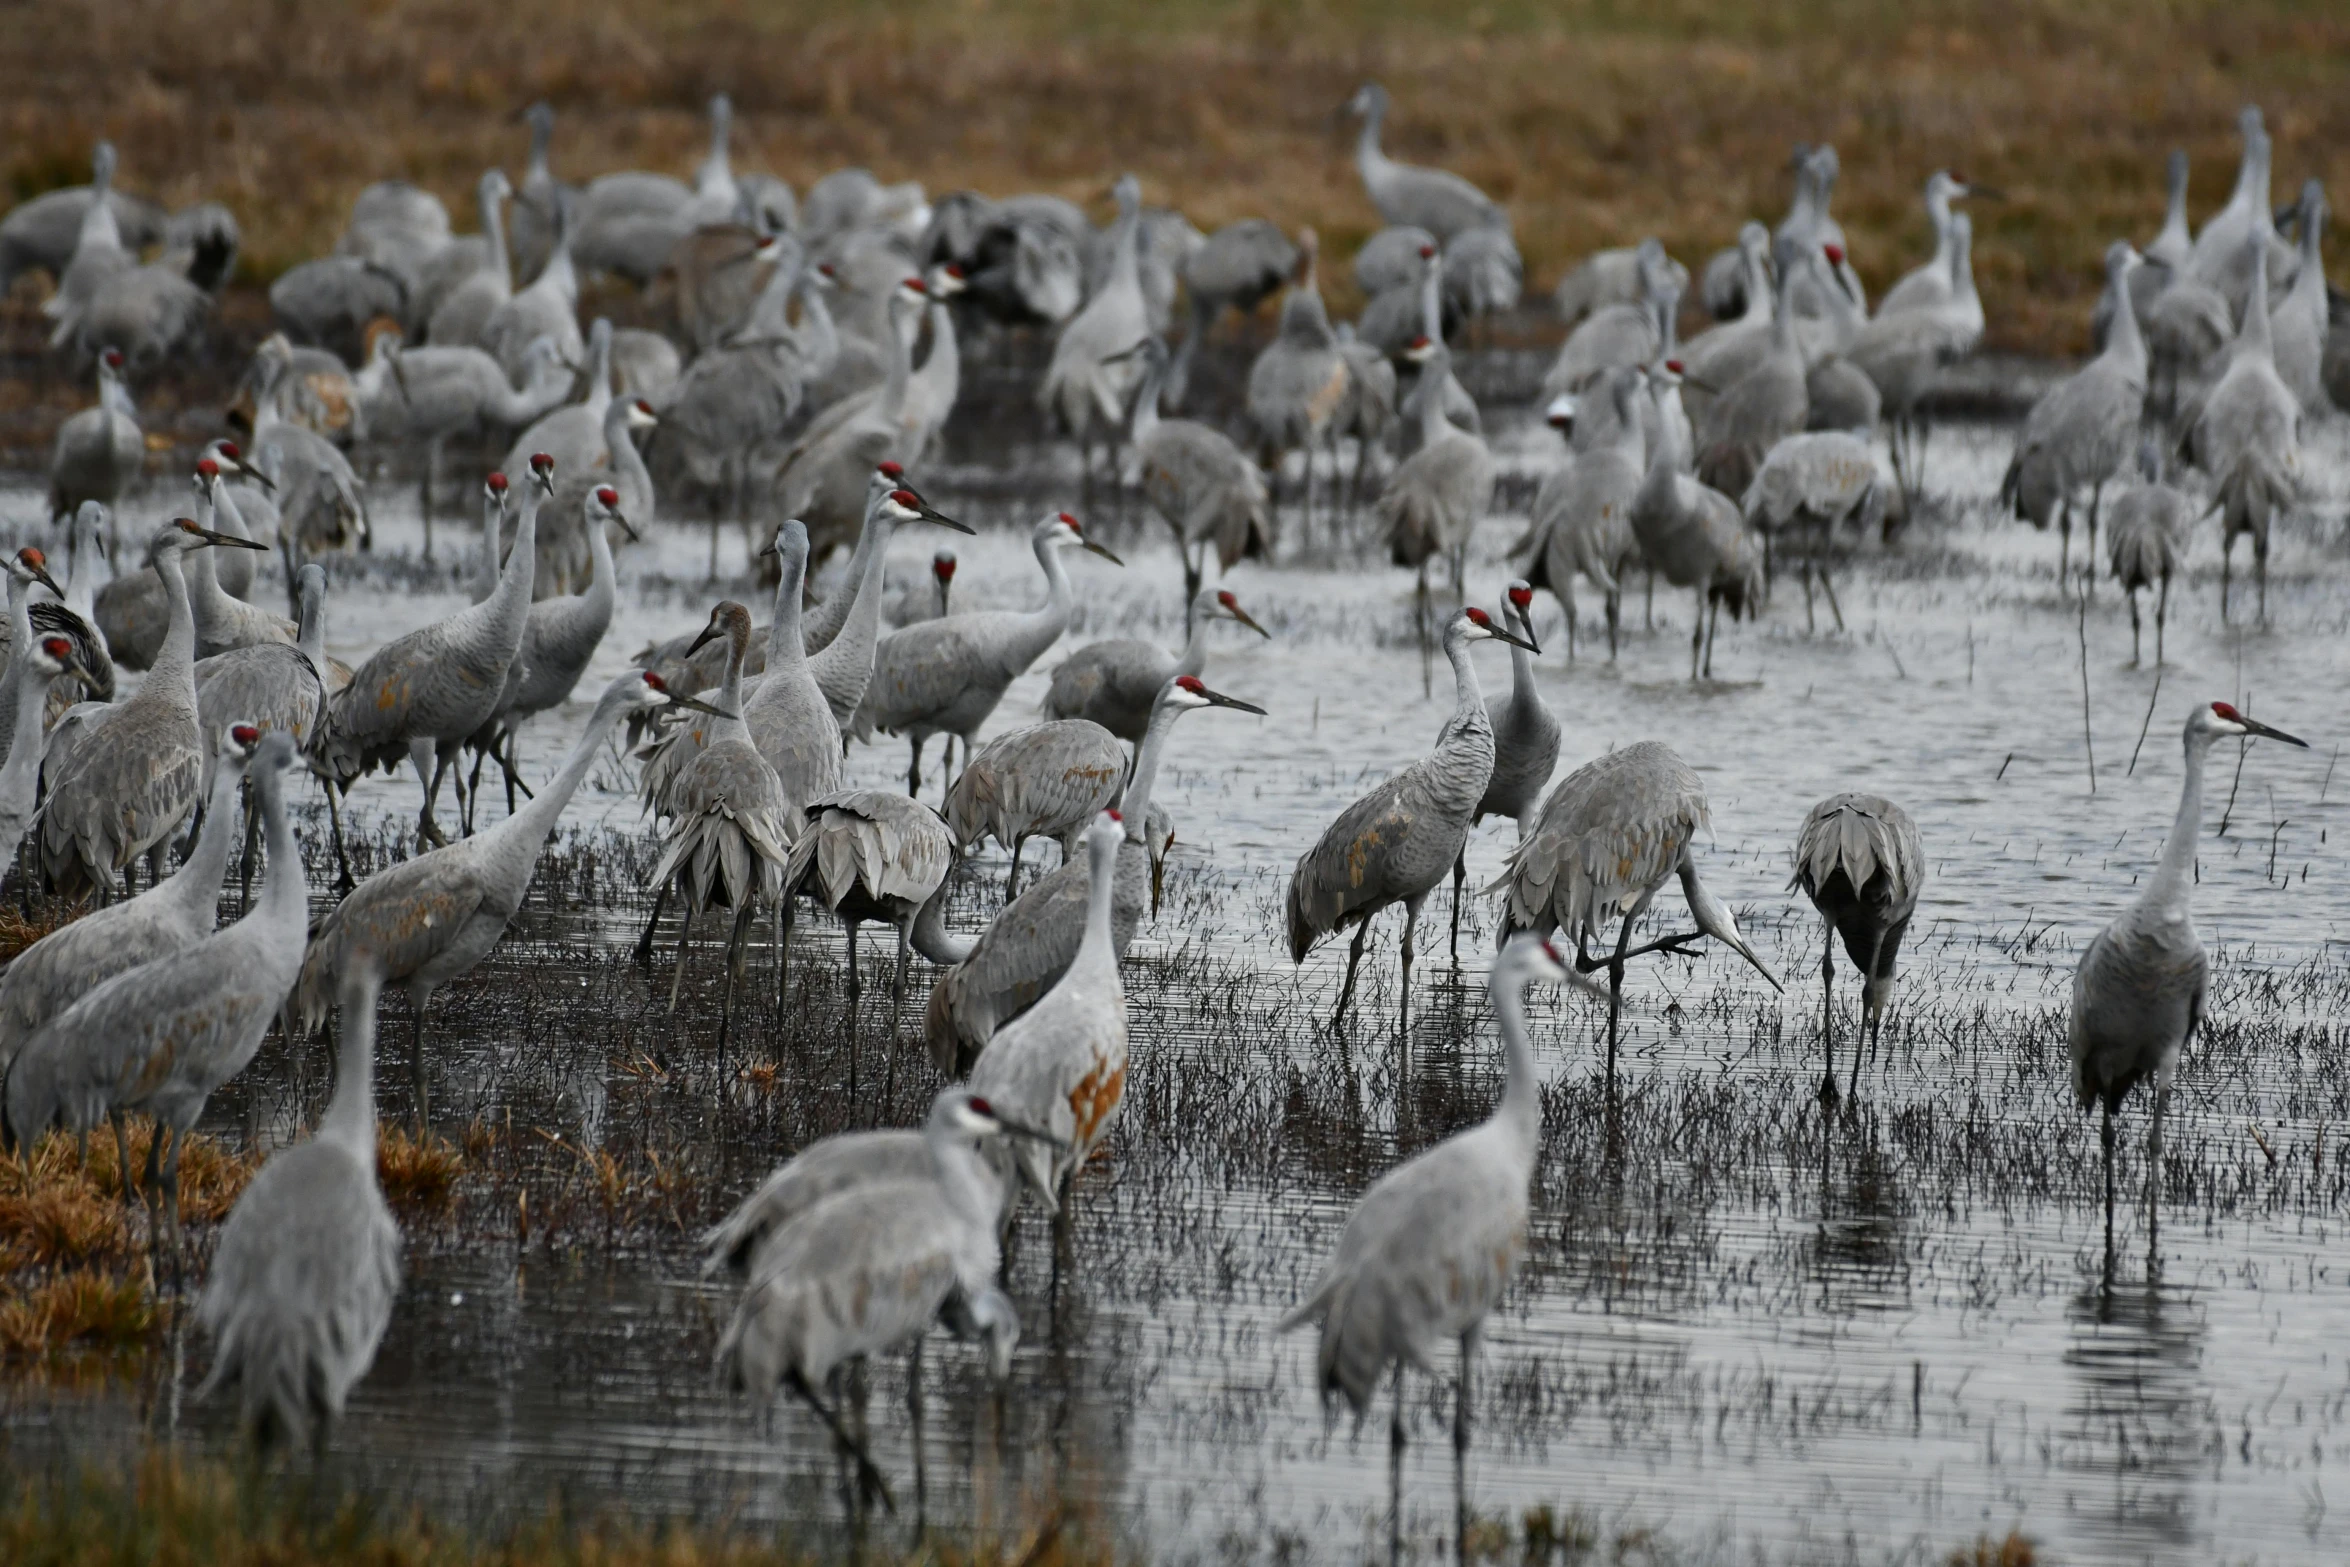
1750	1330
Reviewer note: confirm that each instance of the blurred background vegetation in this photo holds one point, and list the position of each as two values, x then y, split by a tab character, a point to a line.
1597	121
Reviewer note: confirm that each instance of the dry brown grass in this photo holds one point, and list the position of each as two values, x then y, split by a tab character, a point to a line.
419	1176
19	930
2013	1551
1595	121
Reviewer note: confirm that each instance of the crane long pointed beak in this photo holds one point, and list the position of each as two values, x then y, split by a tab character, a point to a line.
41	575
1502	633
2253	726
626	526
698	705
264	480
1716	920
708	636
930	513
229	540
1103	550
1235	612
1219	699
73	667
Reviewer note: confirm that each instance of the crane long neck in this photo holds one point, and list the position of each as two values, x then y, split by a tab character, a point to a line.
1058	601
197	886
1146	399
942	367
1368	158
511	598
1432	299
32	700
1135	806
1520	1113
493	229
2124	344
930	935
174	669
786	648
1522	692
2174	216
2252	336
597	600
969	1183
285	889
901	364
1938	214
20	623
1098	949
858	629
1195	644
2174	873
350	1115
1468	705
1124	265
310	631
824	624
527	828
817	339
485	584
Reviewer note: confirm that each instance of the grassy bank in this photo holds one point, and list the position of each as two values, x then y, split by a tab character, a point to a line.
1594	120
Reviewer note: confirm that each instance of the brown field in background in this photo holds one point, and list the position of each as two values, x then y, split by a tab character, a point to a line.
1596	122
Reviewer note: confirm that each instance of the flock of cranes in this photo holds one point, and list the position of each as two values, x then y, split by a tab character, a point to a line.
803	409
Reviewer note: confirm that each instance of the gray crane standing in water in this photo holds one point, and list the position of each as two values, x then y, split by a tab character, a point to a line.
1019	956
1427	1253
1770	402
1582	514
869	854
2138	994
1198	481
271	686
1047	780
788	717
1525	746
100	452
1692	535
1433	199
2151	524
1933	283
946	676
119	780
1434	500
308	1265
1240	266
2083	428
1607	838
731	820
842	633
2302	320
1060	1066
432	918
423	695
1811	487
1859	858
1395	844
1091	380
1116	682
162	1037
1299	383
2246	433
870	1267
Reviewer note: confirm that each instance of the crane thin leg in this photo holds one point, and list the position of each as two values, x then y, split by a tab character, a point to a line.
1012	877
914	1417
1354	956
1395	1474
2105	1137
1411	923
2154	1168
2135	655
1828	1014
1615	993
869	1477
644	942
1460	1451
1870	1004
897	1005
685	928
2161	607
1460	873
416	1074
856	993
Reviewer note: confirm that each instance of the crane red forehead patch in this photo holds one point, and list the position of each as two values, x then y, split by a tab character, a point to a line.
1426	251
1225	598
906	498
1071	522
2224	710
113	358
608	495
1478	616
1521	596
1115	816
58	648
945	568
980	1106
245	734
230	450
1835	254
1420	342
1673	365
32	557
496	482
540	462
207	469
892	470
1192	683
643	407
655	681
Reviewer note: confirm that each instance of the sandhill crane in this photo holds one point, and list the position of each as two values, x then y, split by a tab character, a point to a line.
1932	283
1809	227
1117	682
1718	356
99	452
823	478
1428	1251
717	276
161	1038
1841	395
270	685
535	200
320	501
1434	199
1024	951
75	958
1623	333
1692	535
2223	254
463	316
121	779
154	311
25	569
1581	519
870	1268
922	407
573	433
1903	353
2172	246
1813	485
132	611
843	632
565	557
737	394
2083	428
1087	387
1240	266
559	638
431	690
2247	435
819	1170
1299	382
1436	497
1395	844
20	777
432	918
924	600
1525	746
1859	858
2297	327
1060	1066
308	1264
946	676
1483	272
1765	405
731	821
1607	838
224	621
440	391
789	719
246	514
39	235
98	253
1198	482
2151	524
868	854
548	307
1047	780
2138	994
1389	269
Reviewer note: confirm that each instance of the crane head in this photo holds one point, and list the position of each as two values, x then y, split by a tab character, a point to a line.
242	738
542	472
607	501
2222	719
184	532
58	653
947	281
1478	626
641	415
890	470
973	1116
1521	598
905	506
1189	691
1228	608
111	359
1420	349
207	473
35	567
942	565
1061	528
651	690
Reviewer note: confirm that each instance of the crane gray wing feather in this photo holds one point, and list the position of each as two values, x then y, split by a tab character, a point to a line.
1611	831
406	915
825	1167
892	846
